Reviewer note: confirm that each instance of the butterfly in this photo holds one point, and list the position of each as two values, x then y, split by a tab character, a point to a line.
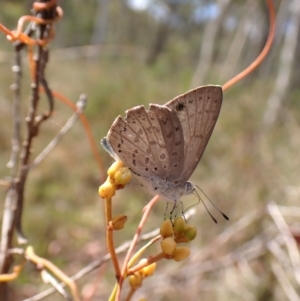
163	145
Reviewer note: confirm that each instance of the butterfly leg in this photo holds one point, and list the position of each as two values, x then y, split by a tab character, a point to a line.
165	214
172	211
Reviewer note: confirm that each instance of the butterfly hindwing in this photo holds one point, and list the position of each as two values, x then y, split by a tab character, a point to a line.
171	148
198	111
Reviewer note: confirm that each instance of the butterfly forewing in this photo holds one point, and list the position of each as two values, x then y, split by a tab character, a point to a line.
146	142
129	141
198	111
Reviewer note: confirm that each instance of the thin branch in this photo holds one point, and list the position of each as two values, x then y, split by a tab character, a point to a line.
19	170
7	227
13	162
48	278
44	61
81	103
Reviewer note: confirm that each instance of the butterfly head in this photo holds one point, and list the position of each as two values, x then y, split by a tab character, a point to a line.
189	188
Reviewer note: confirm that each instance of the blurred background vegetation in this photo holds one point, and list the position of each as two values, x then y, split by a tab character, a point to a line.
128	53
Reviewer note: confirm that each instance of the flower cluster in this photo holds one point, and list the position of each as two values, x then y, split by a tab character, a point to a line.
118	177
173	234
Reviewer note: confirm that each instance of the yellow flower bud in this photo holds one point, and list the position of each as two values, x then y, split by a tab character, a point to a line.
106	190
179	224
132	281
181	253
168	245
119	221
135	280
166	229
122	176
114	167
190	232
149	269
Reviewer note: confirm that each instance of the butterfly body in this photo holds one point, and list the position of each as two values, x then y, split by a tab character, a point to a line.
163	145
170	190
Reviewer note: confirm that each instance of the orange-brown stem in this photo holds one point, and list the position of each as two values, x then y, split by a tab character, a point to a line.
130	294
150	260
87	129
12	276
110	238
133	244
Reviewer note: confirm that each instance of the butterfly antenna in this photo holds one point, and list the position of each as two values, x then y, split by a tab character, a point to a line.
223	214
173	209
200	200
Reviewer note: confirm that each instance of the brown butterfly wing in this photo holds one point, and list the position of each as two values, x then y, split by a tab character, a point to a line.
198	111
150	142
